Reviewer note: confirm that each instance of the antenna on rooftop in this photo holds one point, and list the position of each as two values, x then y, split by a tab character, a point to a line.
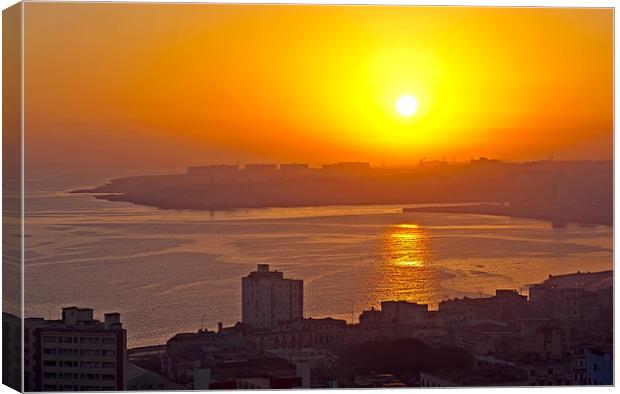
352	313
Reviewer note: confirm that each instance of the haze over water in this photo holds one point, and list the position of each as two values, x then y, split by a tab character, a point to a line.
174	271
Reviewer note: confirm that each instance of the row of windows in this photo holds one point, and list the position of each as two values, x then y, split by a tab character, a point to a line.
82	352
72	339
558	382
74	364
83	376
65	387
53	363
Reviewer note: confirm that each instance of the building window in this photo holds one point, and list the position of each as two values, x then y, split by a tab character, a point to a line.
67	352
89	352
49	339
89	364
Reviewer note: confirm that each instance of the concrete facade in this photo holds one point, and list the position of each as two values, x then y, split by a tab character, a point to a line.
268	298
76	353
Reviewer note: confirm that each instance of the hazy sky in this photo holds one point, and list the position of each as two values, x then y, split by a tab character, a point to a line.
162	86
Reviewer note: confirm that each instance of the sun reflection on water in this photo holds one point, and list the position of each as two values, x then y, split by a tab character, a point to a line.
405	268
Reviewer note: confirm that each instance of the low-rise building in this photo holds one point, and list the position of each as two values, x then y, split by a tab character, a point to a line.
599	367
505	305
186	352
314	333
139	379
547	373
480	378
580	302
259	373
314	357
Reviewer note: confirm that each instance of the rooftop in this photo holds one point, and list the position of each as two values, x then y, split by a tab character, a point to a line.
77	318
580	280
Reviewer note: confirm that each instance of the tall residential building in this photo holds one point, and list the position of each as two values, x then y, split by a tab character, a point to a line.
268	298
75	353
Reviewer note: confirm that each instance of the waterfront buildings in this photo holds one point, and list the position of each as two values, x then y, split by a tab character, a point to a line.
396	312
505	304
313	333
502	340
581	302
268	298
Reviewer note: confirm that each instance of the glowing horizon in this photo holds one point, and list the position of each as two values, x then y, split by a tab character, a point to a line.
169	85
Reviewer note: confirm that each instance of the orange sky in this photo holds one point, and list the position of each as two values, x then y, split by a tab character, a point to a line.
162	86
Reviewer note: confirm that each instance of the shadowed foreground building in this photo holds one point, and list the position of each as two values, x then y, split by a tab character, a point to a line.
75	353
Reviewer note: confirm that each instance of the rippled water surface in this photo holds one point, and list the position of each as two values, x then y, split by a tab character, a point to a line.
172	271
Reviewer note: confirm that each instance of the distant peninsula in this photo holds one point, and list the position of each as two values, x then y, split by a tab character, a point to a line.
559	191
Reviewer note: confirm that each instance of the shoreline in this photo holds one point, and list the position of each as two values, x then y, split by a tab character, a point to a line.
508	211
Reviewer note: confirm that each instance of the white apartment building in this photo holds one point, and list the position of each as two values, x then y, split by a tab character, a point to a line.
268	298
76	353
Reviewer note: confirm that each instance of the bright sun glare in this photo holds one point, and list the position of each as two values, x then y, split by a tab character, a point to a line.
406	105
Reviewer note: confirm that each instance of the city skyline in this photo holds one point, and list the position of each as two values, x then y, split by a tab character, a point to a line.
241	82
279	196
558	334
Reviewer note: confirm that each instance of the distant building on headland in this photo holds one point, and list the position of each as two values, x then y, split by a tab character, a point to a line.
294	170
268	298
484	161
214	173
260	171
75	353
346	169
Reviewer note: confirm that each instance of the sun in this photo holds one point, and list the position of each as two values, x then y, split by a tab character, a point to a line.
406	105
